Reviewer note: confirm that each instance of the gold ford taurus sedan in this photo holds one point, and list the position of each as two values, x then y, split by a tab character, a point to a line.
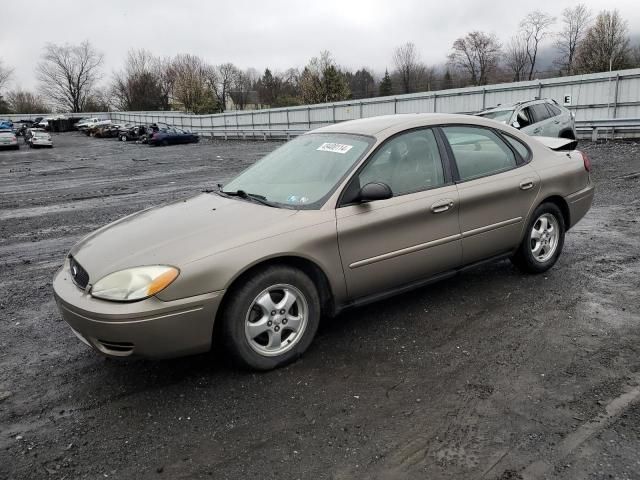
338	217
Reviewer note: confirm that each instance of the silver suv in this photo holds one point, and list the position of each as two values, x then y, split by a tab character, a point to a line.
544	118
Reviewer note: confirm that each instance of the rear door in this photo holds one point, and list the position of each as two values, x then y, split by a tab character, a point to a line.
542	119
496	188
414	235
556	121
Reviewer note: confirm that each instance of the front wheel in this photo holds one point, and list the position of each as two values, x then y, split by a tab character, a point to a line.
543	240
271	319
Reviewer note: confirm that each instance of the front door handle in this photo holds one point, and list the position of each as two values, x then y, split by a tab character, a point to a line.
537	130
526	185
442	206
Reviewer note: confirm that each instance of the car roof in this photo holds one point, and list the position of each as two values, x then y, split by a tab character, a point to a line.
511	106
386	125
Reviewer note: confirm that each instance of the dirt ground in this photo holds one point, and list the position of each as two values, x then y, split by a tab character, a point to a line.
490	375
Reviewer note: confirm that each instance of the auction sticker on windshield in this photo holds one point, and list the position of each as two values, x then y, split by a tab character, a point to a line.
334	147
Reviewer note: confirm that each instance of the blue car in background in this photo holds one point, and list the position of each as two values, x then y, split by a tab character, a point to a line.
172	136
6	125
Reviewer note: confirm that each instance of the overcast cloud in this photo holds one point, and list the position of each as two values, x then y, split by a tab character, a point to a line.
275	34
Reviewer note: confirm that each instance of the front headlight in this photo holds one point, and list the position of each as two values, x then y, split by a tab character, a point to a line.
134	283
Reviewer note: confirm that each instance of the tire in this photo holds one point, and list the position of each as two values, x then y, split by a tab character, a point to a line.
165	143
123	138
539	251
243	311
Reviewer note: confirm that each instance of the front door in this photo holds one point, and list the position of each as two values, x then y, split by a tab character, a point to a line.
389	243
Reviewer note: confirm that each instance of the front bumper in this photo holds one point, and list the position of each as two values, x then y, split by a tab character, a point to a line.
147	328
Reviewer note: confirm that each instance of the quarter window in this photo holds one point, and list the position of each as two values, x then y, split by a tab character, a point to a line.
478	152
553	110
408	163
519	147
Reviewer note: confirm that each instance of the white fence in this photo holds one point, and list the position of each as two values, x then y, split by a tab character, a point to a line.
599	96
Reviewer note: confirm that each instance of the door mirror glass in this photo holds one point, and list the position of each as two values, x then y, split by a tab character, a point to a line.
375	191
516	124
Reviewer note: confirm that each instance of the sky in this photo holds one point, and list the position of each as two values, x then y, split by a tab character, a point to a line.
278	34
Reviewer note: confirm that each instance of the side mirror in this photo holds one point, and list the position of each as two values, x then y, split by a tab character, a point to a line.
516	125
375	191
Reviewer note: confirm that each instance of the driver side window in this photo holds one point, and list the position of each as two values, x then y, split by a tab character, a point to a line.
408	163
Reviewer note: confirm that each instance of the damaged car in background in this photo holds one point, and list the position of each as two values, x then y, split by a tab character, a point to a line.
339	217
172	136
544	118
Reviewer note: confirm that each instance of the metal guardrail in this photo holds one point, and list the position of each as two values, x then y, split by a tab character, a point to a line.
585	128
249	134
626	126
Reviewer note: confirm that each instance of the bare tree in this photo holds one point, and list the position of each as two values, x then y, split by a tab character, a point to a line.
5	74
68	73
535	27
635	56
226	75
23	101
605	45
243	84
515	57
575	21
137	86
194	83
165	74
476	54
409	68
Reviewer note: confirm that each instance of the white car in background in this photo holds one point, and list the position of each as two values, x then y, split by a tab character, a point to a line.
88	123
38	137
8	139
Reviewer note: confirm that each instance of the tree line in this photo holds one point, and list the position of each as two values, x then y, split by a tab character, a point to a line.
68	75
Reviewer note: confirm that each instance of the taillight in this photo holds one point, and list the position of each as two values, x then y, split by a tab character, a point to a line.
586	161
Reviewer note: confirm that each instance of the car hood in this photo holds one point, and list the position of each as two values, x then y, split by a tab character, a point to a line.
178	233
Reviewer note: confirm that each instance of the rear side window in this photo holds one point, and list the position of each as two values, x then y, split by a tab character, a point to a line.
478	152
540	112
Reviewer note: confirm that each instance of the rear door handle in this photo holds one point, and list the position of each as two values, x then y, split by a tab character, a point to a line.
526	185
537	130
442	206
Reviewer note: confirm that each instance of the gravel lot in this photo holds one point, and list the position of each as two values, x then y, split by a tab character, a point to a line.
492	374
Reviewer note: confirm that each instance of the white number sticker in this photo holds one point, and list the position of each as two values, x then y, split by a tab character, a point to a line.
334	147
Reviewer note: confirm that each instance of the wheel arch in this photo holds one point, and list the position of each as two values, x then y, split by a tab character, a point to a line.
561	203
567	133
306	265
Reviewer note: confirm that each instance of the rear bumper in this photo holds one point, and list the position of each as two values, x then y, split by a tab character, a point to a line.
580	203
148	328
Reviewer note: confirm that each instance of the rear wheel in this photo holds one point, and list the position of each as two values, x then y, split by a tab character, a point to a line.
543	240
123	138
165	143
271	319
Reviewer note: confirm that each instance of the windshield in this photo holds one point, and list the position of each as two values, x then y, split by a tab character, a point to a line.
303	172
498	115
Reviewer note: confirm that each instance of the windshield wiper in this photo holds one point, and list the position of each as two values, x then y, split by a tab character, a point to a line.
251	197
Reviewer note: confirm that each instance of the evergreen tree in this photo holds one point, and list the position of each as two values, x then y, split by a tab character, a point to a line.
447	81
386	87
